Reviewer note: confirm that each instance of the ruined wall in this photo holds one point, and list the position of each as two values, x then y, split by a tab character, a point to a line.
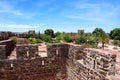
2	52
9	46
31	69
26	51
58	50
35	67
5	35
64	62
89	64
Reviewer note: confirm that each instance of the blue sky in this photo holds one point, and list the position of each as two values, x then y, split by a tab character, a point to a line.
59	15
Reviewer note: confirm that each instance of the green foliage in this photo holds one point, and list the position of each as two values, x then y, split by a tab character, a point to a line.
39	35
115	34
38	41
47	38
49	32
32	40
81	40
58	33
116	42
67	39
98	32
100	36
58	38
28	35
91	42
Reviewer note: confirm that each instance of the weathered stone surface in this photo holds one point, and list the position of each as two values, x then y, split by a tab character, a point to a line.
92	64
25	51
2	51
9	47
64	62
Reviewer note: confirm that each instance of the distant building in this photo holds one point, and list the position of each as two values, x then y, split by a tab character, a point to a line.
31	33
5	35
21	35
81	31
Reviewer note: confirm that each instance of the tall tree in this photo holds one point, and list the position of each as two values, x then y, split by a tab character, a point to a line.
115	34
99	36
39	35
98	32
49	32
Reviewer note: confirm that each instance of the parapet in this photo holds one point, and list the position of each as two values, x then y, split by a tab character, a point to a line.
26	51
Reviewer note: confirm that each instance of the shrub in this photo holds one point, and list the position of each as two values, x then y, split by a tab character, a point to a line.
38	41
91	42
68	39
47	38
81	41
32	40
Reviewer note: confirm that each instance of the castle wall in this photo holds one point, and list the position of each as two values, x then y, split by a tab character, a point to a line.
35	67
8	49
89	64
26	51
64	62
31	69
2	51
58	50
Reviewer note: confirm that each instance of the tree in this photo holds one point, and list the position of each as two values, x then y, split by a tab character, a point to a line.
39	35
58	33
100	36
59	37
49	32
98	32
47	38
115	34
116	43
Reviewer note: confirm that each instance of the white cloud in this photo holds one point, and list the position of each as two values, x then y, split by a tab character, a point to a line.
16	26
103	13
19	27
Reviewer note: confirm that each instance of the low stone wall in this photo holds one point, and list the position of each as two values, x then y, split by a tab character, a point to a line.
89	64
58	50
32	69
26	51
102	62
64	62
2	52
9	47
